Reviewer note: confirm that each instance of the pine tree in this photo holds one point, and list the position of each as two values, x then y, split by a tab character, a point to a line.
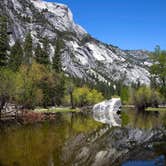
46	51
28	49
158	70
38	54
16	56
4	46
57	66
42	54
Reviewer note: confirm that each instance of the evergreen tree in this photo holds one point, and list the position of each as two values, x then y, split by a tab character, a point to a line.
57	66
28	49
4	46
158	70
46	51
16	56
39	54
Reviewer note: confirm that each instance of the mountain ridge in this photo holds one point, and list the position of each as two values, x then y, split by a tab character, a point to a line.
83	56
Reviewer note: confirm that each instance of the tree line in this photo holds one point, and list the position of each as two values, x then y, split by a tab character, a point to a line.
30	78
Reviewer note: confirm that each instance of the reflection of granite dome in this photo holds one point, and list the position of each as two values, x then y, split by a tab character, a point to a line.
106	111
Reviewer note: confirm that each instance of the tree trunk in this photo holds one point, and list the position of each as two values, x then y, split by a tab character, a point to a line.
71	100
2	103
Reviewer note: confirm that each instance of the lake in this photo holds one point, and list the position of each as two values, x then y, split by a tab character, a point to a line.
77	139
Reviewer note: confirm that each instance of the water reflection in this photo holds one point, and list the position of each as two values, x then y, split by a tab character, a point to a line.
76	138
144	119
108	112
41	144
158	161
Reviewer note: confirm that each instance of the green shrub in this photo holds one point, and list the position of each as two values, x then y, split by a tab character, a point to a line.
145	97
84	96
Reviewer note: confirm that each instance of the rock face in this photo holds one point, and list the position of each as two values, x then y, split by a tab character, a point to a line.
107	112
83	56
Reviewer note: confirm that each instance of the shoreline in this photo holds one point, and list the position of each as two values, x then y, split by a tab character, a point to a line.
25	117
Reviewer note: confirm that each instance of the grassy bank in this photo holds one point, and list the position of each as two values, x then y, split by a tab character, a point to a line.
57	109
155	109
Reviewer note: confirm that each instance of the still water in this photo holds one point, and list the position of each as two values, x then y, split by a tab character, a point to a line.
77	139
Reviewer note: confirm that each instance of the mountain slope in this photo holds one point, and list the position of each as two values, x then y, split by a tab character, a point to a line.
83	56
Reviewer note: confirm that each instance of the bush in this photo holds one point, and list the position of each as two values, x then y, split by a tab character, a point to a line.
145	97
124	95
94	97
84	96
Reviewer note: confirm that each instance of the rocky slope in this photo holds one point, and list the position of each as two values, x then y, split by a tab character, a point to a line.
83	56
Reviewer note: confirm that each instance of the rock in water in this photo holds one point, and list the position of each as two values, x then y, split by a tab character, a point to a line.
107	112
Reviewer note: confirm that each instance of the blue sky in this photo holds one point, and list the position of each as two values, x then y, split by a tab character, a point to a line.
129	24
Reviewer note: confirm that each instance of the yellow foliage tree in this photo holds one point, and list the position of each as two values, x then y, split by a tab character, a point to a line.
85	96
28	78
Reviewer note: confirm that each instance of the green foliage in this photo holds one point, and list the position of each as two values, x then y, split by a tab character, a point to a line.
46	51
38	53
158	70
80	96
145	97
124	95
60	88
4	46
28	93
16	56
7	84
94	97
53	89
156	109
69	86
31	86
28	49
42	54
57	65
84	96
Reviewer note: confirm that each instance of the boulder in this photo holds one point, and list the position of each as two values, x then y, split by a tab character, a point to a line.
108	112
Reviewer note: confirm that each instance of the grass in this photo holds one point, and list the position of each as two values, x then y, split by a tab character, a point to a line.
58	109
155	109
